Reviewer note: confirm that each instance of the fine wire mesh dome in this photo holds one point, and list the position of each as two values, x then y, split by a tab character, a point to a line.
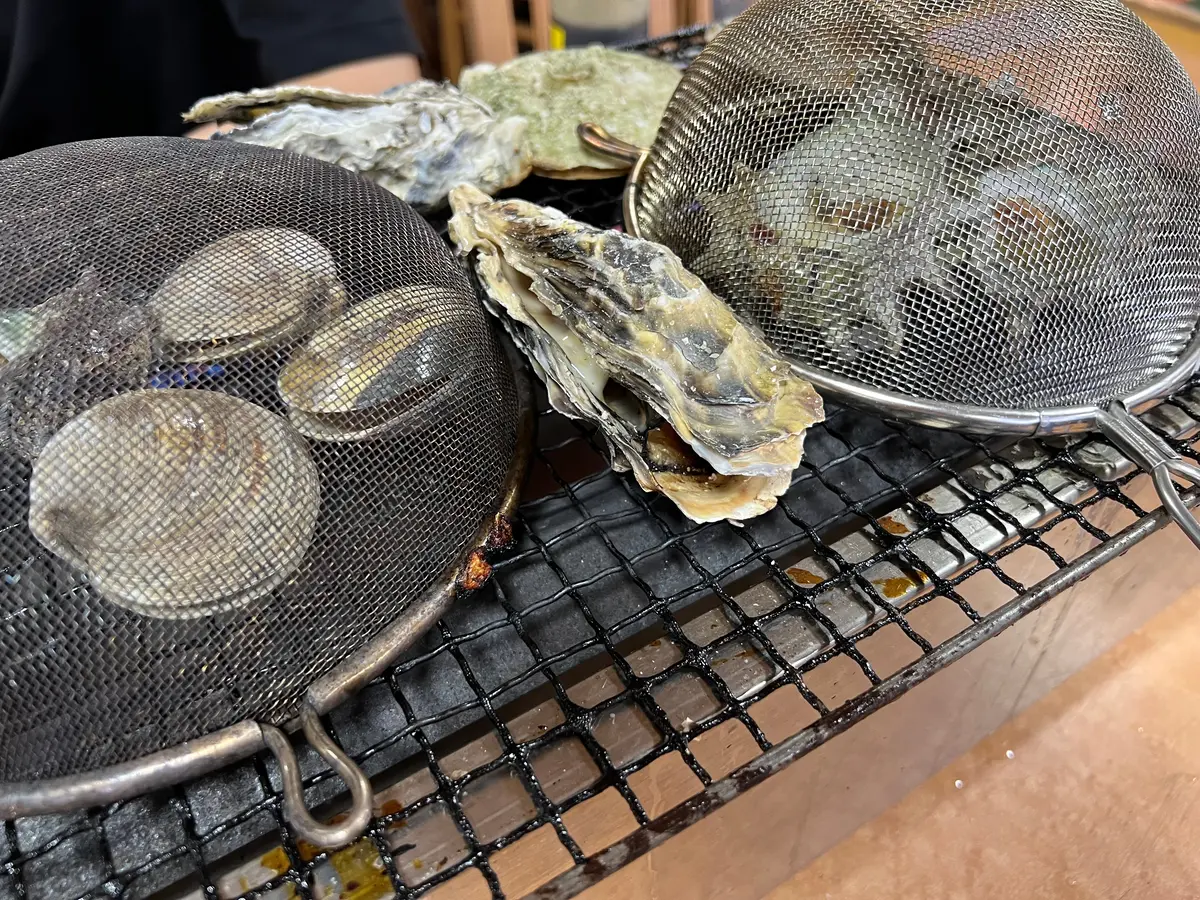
250	410
992	203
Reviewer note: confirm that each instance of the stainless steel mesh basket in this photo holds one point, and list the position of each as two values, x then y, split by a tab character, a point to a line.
976	214
255	430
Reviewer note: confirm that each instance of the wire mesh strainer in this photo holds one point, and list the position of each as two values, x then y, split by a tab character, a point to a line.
972	214
251	412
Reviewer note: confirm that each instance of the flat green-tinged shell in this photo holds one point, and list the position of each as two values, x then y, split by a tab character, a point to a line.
624	336
250	105
246	290
177	504
627	93
380	364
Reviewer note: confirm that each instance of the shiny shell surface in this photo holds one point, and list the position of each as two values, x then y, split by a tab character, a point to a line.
380	362
246	290
626	93
417	142
177	503
626	337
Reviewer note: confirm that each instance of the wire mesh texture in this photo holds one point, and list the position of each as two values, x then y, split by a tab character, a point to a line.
612	641
203	506
992	203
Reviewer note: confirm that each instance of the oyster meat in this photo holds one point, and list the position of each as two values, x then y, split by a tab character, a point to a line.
378	366
687	395
71	352
246	290
417	142
557	91
177	503
809	230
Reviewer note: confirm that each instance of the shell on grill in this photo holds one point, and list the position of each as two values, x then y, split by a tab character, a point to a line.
417	141
243	107
376	366
72	351
556	91
177	503
20	330
247	290
808	230
687	395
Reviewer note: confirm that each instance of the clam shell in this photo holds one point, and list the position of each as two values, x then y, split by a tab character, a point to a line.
246	290
379	364
177	503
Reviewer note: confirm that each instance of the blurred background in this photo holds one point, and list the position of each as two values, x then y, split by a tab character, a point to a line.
454	33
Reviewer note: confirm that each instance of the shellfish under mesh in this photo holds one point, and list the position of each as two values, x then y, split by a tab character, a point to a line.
250	408
984	202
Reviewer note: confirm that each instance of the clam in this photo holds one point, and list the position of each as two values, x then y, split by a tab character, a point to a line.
247	290
72	351
376	366
626	337
177	504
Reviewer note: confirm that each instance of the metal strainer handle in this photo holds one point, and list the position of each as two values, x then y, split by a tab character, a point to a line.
1156	456
297	814
598	140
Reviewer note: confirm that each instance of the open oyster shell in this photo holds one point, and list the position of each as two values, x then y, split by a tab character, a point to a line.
687	395
246	290
377	366
417	141
177	504
70	352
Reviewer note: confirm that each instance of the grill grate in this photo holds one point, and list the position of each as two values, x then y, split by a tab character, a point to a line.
612	641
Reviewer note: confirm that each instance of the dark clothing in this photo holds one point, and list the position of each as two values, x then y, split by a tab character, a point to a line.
77	69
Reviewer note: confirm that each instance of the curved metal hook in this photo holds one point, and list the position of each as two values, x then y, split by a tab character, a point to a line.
294	810
1154	455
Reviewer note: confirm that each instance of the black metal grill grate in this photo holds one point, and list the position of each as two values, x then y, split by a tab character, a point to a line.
612	641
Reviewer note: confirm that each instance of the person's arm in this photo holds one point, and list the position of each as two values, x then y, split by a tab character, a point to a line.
357	46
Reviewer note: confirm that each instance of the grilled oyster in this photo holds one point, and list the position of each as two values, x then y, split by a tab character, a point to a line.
72	351
177	504
808	231
246	290
627	93
417	142
624	336
250	105
375	367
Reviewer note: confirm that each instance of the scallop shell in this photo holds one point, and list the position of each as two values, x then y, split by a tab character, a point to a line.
247	290
377	366
625	337
177	504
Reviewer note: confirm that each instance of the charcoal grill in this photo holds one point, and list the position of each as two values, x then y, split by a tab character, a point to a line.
616	635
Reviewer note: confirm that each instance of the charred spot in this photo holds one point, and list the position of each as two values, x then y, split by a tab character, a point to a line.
476	573
502	533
